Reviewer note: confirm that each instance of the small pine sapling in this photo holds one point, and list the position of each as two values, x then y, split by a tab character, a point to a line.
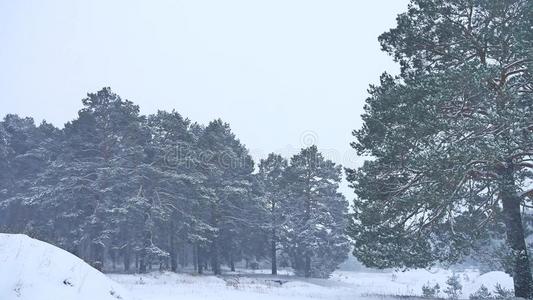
454	287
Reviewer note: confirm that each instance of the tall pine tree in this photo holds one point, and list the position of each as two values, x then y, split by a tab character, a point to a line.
272	174
317	221
451	138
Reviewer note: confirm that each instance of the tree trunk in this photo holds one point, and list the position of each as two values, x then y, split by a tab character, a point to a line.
200	269
232	263
307	265
215	263
273	253
515	234
199	254
98	256
308	207
173	254
144	259
183	256
113	259
195	257
127	259
142	264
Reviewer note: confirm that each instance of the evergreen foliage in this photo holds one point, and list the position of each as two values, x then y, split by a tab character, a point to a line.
451	138
131	192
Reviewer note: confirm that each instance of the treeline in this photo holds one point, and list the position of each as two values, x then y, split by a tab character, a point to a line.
130	192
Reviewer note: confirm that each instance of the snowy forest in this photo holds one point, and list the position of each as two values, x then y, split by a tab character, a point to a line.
128	192
443	193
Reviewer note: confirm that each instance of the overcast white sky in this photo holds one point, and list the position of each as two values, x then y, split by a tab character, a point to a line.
283	73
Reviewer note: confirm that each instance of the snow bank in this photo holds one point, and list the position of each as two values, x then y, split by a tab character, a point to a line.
34	270
410	283
490	280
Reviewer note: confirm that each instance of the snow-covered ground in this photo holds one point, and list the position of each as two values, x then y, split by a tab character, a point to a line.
342	285
34	270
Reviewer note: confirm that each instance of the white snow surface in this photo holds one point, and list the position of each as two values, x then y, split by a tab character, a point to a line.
342	285
34	270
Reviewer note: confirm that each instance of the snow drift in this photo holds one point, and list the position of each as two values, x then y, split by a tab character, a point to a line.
34	270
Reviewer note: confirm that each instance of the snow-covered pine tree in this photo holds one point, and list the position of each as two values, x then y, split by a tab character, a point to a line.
100	148
316	215
451	138
26	152
6	154
228	169
272	171
179	184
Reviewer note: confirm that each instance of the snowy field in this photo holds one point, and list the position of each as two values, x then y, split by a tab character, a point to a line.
342	285
34	270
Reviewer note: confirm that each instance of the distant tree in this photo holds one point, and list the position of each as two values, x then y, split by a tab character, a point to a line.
85	186
482	293
454	287
315	236
228	169
178	180
430	290
272	174
26	151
